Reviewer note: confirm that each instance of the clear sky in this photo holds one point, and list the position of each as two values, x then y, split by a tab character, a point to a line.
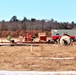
60	10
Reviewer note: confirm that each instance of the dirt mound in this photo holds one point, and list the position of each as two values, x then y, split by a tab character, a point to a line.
23	33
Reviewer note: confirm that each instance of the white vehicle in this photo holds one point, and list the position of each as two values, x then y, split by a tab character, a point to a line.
57	34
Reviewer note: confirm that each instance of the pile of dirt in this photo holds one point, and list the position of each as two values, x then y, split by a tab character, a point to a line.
23	33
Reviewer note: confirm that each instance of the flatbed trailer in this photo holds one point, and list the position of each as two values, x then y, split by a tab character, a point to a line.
24	43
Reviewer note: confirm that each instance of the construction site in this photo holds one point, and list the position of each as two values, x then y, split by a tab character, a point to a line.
38	54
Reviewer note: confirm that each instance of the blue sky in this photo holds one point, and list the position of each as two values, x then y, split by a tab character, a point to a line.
60	10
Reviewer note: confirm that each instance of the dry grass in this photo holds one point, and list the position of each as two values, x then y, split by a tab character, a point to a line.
22	58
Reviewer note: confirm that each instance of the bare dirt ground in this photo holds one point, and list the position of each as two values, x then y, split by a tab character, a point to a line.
21	58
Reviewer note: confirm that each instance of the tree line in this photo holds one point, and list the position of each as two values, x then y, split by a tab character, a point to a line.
34	24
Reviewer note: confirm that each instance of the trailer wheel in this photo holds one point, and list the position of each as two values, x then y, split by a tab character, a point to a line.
65	40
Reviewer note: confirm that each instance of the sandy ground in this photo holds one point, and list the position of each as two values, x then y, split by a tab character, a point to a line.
22	58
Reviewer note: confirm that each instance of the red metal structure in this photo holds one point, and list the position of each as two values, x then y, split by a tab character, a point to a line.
43	38
28	37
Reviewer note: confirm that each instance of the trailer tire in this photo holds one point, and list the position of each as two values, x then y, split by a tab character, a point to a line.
65	40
